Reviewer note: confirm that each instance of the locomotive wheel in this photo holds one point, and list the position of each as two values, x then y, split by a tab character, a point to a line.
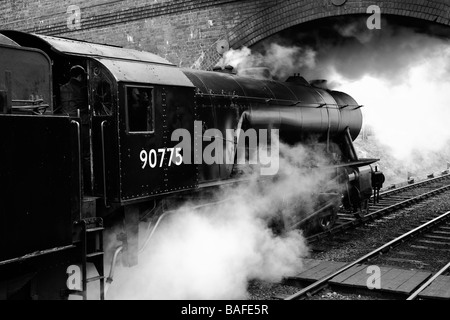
327	222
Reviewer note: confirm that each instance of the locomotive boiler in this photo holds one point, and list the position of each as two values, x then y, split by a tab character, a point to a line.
51	219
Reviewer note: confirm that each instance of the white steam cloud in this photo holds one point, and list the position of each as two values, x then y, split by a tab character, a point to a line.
402	77
212	253
400	74
280	60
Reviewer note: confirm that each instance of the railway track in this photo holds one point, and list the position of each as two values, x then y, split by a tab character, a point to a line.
439	225
415	254
433	280
390	201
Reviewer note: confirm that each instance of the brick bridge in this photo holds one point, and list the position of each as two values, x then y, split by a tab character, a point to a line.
191	33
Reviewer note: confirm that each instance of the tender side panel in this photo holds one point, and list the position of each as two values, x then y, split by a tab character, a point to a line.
35	184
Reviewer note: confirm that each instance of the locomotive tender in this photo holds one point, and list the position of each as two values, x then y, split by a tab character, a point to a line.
50	219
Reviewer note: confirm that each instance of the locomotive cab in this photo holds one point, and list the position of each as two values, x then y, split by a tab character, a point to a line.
135	101
153	100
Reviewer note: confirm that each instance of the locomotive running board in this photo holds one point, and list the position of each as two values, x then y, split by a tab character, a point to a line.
220	183
36	254
359	163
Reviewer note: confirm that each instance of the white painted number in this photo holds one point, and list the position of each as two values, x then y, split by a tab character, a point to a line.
150	158
153	159
144	158
163	151
178	156
171	156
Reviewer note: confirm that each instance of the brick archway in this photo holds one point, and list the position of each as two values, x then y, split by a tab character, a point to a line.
286	14
186	32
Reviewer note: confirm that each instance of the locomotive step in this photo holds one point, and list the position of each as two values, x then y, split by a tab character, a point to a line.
91	230
95	254
75	293
95	279
89	209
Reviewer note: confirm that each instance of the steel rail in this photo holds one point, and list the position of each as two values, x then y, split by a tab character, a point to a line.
414	185
384	248
376	214
426	284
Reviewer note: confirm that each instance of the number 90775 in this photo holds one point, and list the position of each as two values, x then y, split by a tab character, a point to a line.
150	158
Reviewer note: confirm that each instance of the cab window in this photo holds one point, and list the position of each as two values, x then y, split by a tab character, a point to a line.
103	98
102	92
140	111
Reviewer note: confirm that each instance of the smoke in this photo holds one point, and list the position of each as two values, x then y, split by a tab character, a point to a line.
280	60
399	73
402	77
213	252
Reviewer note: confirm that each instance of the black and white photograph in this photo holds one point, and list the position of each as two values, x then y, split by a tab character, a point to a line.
225	156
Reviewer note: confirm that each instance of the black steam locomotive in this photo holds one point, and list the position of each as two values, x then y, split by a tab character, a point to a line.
51	219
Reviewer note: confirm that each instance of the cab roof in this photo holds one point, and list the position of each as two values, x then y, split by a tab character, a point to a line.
128	65
83	48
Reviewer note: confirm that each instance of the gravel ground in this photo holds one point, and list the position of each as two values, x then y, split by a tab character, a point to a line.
260	290
356	243
363	240
328	294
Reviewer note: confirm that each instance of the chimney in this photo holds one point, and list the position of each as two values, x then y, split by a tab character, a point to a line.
227	69
297	79
321	84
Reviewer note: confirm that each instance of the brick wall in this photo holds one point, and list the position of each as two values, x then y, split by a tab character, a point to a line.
186	32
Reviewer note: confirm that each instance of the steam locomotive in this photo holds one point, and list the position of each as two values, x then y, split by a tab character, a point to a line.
52	220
